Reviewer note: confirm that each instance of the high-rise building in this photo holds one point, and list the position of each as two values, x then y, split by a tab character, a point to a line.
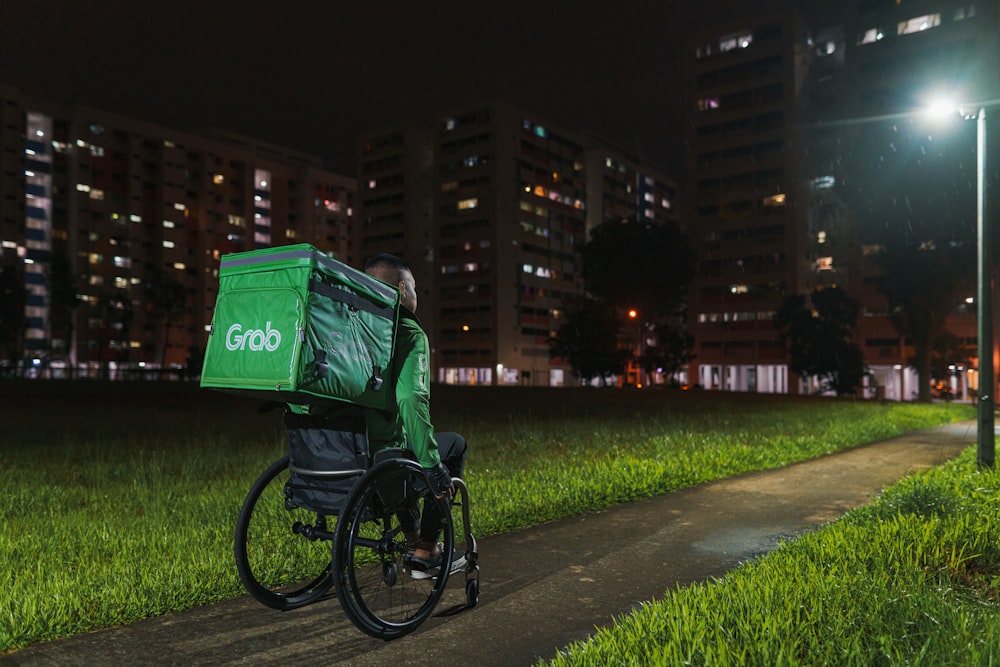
490	206
743	198
779	105
113	228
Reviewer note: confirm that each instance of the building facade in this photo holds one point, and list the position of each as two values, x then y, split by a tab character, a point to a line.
112	230
490	206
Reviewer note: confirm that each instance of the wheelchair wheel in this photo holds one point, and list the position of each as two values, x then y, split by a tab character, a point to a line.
280	560
377	589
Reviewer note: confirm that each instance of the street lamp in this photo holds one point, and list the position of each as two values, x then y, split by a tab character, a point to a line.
986	407
985	444
985	431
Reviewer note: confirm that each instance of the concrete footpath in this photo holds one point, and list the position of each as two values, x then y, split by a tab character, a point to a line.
542	587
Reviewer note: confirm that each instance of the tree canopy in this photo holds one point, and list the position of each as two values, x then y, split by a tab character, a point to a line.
633	265
818	333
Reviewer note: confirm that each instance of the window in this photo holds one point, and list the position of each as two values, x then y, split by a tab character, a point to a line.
824	264
775	200
707	103
737	41
466	204
871	36
918	24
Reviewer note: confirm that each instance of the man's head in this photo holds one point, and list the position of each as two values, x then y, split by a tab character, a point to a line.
393	270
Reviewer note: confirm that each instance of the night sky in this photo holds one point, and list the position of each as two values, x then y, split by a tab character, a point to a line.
314	75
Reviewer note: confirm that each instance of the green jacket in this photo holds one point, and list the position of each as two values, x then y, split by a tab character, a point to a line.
410	425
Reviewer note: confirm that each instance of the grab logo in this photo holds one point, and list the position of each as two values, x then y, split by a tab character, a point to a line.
253	339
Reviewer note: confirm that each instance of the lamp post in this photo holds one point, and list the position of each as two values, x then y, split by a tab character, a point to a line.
985	434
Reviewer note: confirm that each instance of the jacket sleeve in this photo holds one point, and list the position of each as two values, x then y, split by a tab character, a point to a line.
413	395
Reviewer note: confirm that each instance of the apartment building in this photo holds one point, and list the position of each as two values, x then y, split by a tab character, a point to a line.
114	228
777	104
490	205
743	199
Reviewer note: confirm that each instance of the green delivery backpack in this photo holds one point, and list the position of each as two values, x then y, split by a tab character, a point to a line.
296	326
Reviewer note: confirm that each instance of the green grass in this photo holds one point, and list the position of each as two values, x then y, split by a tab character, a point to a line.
120	500
912	580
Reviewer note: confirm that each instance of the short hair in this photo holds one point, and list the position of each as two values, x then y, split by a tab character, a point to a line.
387	260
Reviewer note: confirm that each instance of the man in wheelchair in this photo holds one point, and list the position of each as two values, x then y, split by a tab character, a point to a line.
442	455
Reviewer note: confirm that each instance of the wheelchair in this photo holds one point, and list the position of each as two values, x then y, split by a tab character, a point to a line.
304	530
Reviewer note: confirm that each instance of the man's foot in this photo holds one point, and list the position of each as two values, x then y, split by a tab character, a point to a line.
425	567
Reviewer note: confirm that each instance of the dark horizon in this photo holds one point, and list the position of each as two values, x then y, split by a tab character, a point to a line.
313	82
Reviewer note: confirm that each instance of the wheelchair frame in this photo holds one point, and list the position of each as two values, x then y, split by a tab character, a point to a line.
279	547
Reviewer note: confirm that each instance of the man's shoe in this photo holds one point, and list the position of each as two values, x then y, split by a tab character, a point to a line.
426	568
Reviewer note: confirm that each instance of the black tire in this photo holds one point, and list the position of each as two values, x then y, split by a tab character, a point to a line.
472	592
278	565
376	587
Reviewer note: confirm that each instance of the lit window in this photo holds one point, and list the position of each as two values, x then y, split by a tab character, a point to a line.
871	36
665	203
823	182
179	207
96	194
80	187
122	262
824	264
775	200
821	237
649	197
738	41
540	191
371	184
168	244
120	282
135	218
449	124
449	186
97	281
179	266
218	179
169	224
466	204
918	24
739	289
706	103
540	131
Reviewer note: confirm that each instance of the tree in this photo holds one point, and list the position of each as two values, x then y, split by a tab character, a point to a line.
819	338
166	300
922	286
588	340
64	298
913	191
13	296
646	267
671	351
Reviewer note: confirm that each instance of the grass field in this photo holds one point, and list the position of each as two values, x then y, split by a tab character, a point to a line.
120	499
